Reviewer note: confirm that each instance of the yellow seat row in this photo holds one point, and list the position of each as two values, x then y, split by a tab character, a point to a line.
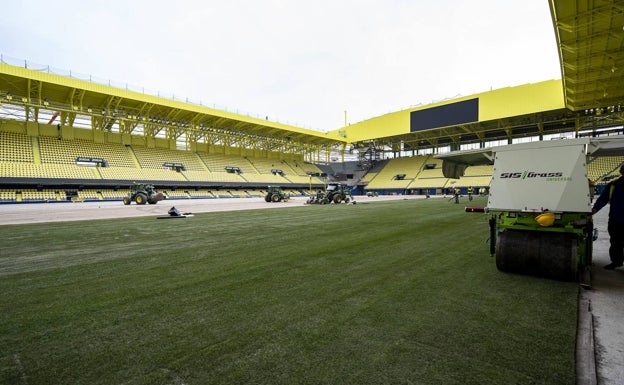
15	147
156	157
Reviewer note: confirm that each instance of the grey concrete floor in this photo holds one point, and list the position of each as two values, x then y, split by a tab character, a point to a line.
606	299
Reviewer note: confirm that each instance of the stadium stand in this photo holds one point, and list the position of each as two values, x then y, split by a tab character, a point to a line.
475	176
63	151
50	158
89	195
111	194
368	177
156	158
200	194
137	175
303	179
38	195
602	169
238	194
303	168
268	166
219	162
422	172
397	173
176	194
49	171
7	195
15	147
264	178
255	193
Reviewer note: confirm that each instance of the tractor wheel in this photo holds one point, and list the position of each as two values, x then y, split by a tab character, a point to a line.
347	200
126	201
275	198
337	199
267	198
140	199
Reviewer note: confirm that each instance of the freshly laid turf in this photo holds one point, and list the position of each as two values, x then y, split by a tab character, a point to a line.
379	293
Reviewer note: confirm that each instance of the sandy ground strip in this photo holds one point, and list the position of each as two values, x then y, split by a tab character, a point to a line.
21	213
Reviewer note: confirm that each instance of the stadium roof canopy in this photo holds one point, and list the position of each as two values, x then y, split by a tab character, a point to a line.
38	93
590	34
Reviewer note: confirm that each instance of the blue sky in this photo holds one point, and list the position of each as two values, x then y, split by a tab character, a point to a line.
298	62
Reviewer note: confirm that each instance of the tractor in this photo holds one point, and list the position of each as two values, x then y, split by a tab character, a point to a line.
335	193
141	194
276	194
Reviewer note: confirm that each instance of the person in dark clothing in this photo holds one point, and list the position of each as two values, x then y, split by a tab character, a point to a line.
613	194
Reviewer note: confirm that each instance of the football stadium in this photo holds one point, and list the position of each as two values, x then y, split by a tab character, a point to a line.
447	243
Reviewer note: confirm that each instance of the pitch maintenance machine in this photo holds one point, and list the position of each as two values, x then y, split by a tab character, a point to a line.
539	205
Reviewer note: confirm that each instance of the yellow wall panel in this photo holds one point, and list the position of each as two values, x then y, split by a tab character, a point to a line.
395	123
521	100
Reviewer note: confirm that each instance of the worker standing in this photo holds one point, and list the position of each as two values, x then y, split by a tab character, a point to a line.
613	194
456	193
470	192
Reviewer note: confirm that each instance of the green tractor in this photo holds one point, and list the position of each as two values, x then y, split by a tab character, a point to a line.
141	194
276	194
337	193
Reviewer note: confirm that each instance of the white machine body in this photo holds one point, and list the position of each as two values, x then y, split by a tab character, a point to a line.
541	176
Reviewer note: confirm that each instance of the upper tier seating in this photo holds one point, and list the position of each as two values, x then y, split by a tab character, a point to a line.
218	162
155	158
15	147
58	151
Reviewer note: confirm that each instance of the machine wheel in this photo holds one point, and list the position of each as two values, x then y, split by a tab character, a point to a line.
267	198
347	200
126	201
337	199
275	198
546	254
140	199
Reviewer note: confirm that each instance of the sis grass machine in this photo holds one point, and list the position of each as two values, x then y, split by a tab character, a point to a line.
539	205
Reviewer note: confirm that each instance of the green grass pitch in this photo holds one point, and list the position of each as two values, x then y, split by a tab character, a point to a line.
394	292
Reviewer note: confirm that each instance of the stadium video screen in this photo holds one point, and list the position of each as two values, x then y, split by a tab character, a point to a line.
447	115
